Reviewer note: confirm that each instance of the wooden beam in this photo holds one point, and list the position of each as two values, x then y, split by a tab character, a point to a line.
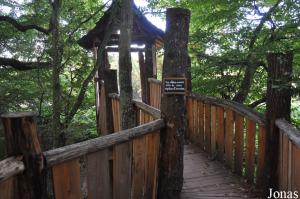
143	77
116	49
10	167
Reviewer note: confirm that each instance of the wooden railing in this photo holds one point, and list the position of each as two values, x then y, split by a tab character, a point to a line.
155	92
144	153
235	134
229	132
289	156
72	164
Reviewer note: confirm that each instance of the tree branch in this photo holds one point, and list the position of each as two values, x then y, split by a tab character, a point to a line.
265	18
258	102
19	65
87	20
24	28
91	75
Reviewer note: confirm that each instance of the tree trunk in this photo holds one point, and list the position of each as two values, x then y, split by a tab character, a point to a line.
125	66
123	152
173	106
278	106
58	138
245	87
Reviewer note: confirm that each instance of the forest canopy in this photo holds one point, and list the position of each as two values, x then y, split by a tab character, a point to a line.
44	69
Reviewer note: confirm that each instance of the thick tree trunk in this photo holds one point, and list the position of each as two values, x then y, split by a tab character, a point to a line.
173	106
123	157
125	66
278	106
58	138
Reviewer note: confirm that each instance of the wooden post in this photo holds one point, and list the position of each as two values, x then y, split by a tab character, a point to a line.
21	138
144	80
189	75
278	106
149	65
173	106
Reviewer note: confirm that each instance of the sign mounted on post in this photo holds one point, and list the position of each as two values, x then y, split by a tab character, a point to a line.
174	85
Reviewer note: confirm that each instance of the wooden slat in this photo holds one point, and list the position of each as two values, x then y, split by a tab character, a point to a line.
152	161
250	150
98	178
213	130
280	161
261	158
190	116
220	132
6	189
195	121
138	167
229	138
66	180
201	124
122	170
283	162
295	168
207	129
239	143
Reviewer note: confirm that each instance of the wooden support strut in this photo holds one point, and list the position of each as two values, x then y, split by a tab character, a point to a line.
20	131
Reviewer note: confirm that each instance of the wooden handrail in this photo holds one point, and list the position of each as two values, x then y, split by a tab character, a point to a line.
10	166
239	108
73	151
156	113
292	132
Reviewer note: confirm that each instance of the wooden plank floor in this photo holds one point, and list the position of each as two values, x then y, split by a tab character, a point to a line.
204	178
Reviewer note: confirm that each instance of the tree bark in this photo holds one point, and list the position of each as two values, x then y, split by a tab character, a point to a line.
278	106
125	66
58	138
245	87
123	158
173	106
19	65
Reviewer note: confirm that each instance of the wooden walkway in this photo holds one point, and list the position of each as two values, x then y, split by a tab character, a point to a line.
205	178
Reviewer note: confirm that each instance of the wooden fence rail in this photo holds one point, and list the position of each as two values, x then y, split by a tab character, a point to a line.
289	156
65	163
144	151
236	135
229	132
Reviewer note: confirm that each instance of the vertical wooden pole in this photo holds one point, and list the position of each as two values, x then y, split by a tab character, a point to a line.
21	138
173	106
144	80
278	106
149	65
189	75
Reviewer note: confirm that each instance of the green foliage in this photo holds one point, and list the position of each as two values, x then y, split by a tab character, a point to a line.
32	90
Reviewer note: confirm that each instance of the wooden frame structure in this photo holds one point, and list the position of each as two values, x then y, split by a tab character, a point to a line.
146	37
